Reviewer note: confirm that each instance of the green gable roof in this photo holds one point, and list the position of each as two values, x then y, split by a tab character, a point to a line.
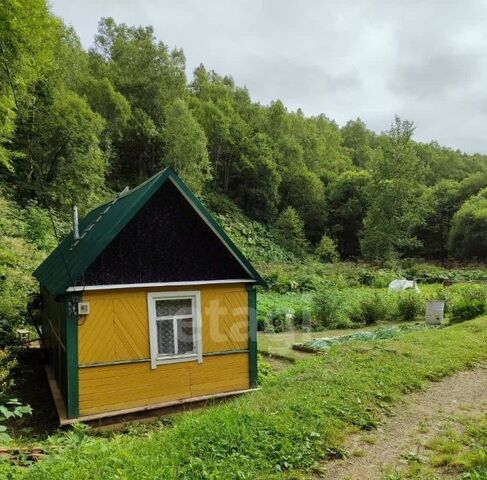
70	259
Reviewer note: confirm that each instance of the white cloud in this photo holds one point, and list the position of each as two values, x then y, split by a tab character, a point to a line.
346	58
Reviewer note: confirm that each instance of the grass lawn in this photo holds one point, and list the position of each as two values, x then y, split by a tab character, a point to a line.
297	419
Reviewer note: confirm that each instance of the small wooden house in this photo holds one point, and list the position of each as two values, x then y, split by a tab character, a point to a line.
150	304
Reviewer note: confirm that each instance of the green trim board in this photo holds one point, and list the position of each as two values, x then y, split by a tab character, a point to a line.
72	372
253	367
67	263
147	360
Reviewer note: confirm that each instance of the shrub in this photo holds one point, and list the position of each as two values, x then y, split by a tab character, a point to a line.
290	231
468	301
18	258
303	319
365	277
467	310
332	309
327	250
279	321
261	323
372	309
9	408
382	278
6	365
264	368
468	233
409	305
277	312
253	238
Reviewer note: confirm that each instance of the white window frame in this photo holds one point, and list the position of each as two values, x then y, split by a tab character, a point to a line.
195	297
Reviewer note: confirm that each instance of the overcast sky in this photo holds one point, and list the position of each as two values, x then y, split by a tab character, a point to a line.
424	60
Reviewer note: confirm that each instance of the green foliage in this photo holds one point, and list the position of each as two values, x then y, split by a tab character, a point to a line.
469	302
468	309
468	234
303	190
9	410
19	255
290	231
428	273
265	370
27	45
357	138
372	309
142	69
460	446
7	363
346	206
352	307
284	429
333	309
253	238
398	203
255	185
327	250
65	165
410	305
89	123
185	146
277	312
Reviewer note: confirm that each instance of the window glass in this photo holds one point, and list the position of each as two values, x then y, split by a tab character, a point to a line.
185	335
168	308
165	337
174	326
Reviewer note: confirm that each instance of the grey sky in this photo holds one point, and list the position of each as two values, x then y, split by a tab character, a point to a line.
424	60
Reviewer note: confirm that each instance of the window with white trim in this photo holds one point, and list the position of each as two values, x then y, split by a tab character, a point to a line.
175	327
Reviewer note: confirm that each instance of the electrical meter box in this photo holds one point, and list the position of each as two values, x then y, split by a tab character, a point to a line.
83	308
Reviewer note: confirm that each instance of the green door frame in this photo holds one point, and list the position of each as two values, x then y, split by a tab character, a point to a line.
71	308
252	307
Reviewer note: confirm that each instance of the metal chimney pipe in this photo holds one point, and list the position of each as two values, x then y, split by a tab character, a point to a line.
75	223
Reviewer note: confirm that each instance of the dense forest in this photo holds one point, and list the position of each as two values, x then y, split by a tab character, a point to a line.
77	126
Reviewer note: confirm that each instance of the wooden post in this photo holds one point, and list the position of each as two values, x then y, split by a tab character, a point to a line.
252	306
72	373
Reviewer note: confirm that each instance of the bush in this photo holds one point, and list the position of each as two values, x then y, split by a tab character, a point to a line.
409	305
467	310
265	371
18	258
332	309
279	321
254	238
278	312
261	323
468	301
372	309
7	363
468	232
303	319
290	231
327	250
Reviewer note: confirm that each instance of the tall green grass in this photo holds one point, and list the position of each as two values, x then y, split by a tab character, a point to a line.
292	423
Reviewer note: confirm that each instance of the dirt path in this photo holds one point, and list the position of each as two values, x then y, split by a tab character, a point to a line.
411	426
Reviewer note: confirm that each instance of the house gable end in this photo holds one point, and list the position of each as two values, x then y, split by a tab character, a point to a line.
166	241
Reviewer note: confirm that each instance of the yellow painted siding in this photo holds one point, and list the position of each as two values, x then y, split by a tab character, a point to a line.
117	329
117	387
